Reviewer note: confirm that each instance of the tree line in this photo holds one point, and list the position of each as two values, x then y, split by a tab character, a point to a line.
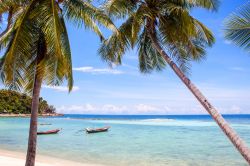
20	103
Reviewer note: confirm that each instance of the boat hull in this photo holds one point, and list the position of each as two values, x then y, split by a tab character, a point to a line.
98	130
48	132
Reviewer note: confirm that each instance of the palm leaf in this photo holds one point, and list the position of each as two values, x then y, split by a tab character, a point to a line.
184	37
67	54
149	57
237	27
115	46
188	4
120	8
83	13
20	45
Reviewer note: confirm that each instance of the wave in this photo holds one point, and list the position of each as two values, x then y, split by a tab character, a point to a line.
165	122
155	122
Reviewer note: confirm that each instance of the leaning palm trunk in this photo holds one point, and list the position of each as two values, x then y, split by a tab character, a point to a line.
31	152
231	134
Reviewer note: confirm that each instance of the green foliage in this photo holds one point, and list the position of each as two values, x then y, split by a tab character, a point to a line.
20	103
170	22
237	27
37	42
149	58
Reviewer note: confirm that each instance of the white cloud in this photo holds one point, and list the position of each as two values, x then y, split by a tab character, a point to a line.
227	42
113	108
153	109
235	109
170	100
140	109
135	68
148	109
237	68
145	108
61	88
92	109
92	70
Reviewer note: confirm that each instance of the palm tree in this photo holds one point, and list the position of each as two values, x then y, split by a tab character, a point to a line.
38	49
165	32
237	27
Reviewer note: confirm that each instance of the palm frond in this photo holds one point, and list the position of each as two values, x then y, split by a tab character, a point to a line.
1	69
203	33
74	12
149	58
20	45
237	27
67	54
59	69
13	13
36	45
4	5
182	32
120	8
177	26
6	38
113	49
184	37
83	13
179	52
207	4
53	27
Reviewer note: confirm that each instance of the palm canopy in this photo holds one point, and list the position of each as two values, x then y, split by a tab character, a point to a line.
183	36
237	27
39	26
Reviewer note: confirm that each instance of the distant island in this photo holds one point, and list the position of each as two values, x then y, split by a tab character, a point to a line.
13	103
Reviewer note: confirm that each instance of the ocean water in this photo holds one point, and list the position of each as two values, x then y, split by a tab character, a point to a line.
133	140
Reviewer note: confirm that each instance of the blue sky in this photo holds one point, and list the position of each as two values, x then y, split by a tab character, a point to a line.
223	77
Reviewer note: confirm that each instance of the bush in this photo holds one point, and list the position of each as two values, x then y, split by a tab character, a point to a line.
20	103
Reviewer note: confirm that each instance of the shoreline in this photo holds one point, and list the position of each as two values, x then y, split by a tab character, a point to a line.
28	115
13	158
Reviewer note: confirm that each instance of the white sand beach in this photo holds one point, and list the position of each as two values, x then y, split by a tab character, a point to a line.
11	158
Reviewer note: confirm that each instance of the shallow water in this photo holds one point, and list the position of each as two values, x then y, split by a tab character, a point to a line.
132	140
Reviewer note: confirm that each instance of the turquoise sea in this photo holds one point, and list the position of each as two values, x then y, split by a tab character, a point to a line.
134	140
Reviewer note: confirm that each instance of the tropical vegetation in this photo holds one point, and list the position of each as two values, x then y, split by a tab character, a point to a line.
13	102
237	27
164	32
37	49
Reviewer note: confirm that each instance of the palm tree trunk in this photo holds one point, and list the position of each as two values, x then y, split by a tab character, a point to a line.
31	152
240	145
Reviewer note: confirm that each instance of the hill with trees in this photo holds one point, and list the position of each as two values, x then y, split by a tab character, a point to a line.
12	102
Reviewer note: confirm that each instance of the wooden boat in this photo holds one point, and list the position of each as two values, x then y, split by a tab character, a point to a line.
45	124
48	132
97	130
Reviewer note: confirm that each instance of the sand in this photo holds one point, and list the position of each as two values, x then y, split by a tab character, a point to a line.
11	158
28	115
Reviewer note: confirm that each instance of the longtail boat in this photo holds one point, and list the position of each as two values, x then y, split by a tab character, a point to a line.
97	130
45	124
48	132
